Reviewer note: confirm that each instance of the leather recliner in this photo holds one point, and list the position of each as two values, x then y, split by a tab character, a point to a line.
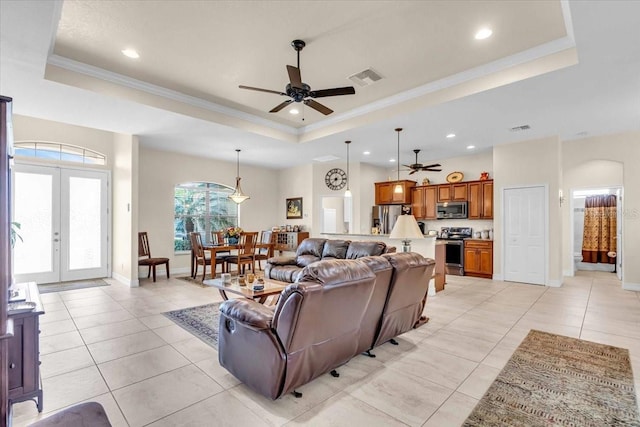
287	268
314	328
407	295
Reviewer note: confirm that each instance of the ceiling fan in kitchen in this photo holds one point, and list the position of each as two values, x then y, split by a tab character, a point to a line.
420	167
298	91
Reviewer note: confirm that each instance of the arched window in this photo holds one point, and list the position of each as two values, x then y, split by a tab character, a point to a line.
201	207
59	151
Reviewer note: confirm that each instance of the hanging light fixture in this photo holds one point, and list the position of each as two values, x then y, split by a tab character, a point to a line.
398	189
348	192
238	196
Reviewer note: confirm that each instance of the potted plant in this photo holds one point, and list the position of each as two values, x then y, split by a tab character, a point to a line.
233	234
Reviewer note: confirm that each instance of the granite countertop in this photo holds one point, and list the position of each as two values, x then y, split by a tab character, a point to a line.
367	235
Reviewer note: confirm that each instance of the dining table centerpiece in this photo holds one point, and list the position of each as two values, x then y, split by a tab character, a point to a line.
233	234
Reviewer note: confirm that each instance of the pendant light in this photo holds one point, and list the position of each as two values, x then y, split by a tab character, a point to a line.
238	196
398	189
348	192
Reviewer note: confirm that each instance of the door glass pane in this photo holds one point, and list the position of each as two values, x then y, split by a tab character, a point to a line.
84	223
33	211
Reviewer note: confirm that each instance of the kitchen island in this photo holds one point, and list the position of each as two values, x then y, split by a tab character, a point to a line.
425	247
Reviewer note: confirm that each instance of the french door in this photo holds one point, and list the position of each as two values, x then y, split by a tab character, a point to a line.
525	235
63	217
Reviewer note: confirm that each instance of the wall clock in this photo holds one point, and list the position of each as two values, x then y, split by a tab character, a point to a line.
336	179
455	177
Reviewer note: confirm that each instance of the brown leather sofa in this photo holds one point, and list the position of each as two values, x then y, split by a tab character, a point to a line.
337	310
314	328
287	268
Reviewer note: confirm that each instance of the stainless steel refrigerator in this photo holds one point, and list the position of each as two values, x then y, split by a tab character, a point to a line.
384	217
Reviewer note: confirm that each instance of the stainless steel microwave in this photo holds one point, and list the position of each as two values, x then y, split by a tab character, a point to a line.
448	210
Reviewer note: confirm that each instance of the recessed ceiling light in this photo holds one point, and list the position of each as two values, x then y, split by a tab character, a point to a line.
483	33
366	153
130	53
294	111
451	135
392	160
470	147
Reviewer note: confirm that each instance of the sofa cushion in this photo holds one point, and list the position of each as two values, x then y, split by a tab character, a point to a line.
360	249
309	251
335	249
284	273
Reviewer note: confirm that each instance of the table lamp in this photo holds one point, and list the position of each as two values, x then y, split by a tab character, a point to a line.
406	228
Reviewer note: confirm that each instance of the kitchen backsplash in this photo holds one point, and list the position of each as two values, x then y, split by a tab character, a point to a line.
475	224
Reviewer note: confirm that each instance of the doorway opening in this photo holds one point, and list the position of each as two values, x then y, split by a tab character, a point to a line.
336	215
596	215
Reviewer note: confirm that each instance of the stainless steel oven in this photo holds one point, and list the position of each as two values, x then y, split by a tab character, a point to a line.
454	249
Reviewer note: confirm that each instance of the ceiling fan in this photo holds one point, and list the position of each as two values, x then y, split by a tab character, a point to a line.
420	167
301	92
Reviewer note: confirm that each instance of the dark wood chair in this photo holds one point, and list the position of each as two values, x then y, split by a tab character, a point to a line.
201	258
144	251
246	252
267	237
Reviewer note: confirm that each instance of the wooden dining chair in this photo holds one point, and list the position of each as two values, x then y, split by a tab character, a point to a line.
263	254
246	252
144	252
201	258
217	238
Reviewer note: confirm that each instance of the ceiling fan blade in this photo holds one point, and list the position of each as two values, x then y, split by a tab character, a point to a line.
435	165
347	90
412	172
262	90
409	166
294	76
281	106
318	107
432	170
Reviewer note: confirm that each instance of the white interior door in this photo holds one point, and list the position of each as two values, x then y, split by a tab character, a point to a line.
525	235
63	215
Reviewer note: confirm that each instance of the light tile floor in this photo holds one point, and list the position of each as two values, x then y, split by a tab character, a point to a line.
112	345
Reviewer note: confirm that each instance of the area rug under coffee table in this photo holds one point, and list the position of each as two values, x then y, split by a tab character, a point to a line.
552	380
201	321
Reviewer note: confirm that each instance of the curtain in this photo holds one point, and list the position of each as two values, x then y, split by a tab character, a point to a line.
599	237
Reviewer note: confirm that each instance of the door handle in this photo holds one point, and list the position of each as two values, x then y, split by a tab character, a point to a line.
56	240
12	365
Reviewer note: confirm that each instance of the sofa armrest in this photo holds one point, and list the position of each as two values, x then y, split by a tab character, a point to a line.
282	260
250	313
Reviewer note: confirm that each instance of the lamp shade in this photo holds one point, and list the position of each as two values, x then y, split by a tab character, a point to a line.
406	228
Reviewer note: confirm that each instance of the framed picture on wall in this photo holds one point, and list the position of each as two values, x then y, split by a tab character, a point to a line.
294	208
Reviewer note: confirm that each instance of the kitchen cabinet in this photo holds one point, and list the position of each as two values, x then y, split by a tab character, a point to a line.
478	258
289	241
423	204
452	192
481	199
386	196
24	351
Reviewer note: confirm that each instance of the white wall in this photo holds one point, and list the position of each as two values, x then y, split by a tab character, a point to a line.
125	209
295	182
535	162
160	172
368	176
623	148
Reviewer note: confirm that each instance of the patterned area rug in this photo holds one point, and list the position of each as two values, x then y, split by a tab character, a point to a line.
69	286
201	321
552	380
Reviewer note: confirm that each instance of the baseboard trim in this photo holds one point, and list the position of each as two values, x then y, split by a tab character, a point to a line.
631	286
554	283
568	273
125	281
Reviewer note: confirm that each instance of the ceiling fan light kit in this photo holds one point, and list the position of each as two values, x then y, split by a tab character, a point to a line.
238	196
299	91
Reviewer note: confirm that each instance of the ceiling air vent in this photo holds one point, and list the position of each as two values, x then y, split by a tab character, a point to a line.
520	128
366	77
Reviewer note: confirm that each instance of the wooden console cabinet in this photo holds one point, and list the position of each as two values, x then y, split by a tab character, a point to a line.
289	241
386	196
24	351
481	199
478	258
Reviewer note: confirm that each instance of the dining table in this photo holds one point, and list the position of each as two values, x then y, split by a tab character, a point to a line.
214	249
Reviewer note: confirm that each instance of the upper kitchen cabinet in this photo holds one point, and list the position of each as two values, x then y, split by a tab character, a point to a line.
386	196
481	199
424	199
452	192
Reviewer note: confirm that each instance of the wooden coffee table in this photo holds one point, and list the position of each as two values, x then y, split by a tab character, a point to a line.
271	287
